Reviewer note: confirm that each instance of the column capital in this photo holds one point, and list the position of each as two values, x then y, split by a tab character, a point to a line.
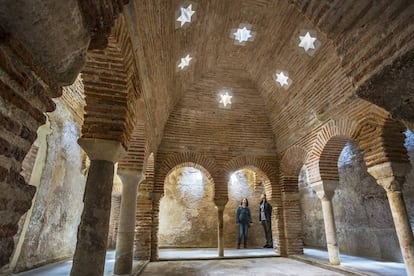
325	189
221	202
130	176
100	149
390	175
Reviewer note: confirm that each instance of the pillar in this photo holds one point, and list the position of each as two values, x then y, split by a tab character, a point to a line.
325	191
292	218
156	197
89	257
391	177
143	227
126	227
220	205
114	219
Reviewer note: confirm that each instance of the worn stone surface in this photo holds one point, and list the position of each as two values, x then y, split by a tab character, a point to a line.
188	217
92	238
180	120
393	88
243	186
56	211
251	266
41	29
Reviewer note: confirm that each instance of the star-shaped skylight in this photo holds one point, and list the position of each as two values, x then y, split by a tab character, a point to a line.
186	14
225	99
307	42
282	79
185	61
242	35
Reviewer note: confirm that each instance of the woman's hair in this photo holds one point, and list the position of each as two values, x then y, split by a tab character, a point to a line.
247	202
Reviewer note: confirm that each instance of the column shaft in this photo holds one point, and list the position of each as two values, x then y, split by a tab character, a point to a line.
89	258
330	231
403	228
220	233
126	228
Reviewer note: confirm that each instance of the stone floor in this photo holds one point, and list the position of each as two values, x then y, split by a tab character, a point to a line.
239	262
251	266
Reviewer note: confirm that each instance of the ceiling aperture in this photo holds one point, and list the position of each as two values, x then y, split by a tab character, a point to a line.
291	66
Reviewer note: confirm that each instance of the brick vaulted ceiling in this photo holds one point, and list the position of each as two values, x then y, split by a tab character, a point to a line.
355	45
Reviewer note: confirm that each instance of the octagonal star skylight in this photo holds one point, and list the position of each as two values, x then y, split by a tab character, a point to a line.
282	79
185	15
185	61
308	41
242	34
225	97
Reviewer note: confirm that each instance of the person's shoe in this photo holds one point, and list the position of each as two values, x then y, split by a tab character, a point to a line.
269	246
238	246
265	246
245	245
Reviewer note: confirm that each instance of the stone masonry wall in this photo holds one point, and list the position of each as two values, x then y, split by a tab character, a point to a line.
52	230
242	186
362	213
188	217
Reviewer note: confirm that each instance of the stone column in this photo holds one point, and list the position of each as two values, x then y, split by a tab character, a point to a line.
126	227
325	191
89	257
220	205
114	219
391	177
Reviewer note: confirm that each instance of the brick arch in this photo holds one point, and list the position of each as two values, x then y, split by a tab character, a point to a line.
290	165
260	166
388	145
185	159
328	144
135	158
293	160
148	185
111	88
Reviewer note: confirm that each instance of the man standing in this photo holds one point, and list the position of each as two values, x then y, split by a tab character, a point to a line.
265	215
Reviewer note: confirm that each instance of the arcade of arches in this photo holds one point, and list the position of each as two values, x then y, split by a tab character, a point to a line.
114	131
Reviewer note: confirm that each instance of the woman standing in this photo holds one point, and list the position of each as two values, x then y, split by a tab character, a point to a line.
243	219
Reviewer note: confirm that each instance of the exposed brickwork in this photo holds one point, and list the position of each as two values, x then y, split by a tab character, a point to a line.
292	161
290	165
74	99
384	143
134	157
186	159
136	95
268	171
111	89
392	88
104	78
25	91
327	146
28	163
99	16
144	223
